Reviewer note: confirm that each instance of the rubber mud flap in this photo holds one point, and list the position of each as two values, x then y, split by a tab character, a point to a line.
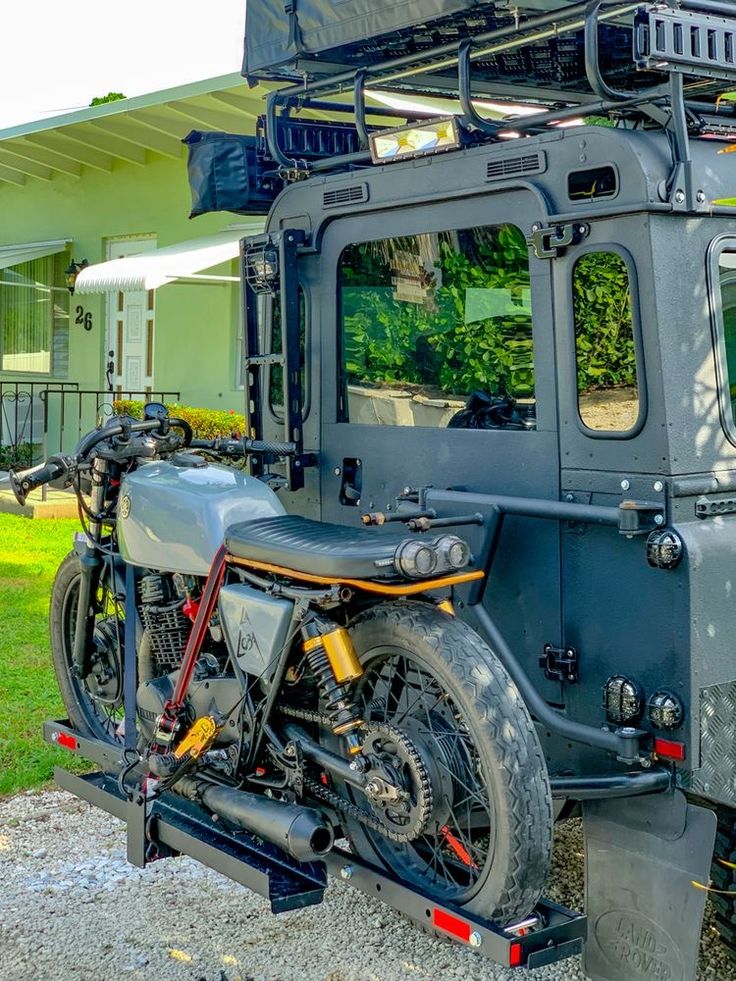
644	915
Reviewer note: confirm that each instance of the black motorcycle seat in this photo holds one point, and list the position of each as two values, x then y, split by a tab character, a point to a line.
315	547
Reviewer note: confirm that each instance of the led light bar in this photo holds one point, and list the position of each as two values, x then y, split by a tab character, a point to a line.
430	136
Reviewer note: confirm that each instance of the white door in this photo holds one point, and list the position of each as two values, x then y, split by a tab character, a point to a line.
129	336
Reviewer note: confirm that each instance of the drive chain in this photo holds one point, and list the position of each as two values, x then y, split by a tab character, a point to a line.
339	803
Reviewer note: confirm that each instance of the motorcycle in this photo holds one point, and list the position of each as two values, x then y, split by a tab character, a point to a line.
302	681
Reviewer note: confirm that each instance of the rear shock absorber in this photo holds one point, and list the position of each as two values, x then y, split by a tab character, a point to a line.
334	663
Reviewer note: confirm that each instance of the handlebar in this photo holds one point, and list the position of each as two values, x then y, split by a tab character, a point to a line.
270	446
147	425
241	447
24	481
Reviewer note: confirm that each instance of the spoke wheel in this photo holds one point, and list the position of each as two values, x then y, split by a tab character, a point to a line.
400	690
486	842
95	702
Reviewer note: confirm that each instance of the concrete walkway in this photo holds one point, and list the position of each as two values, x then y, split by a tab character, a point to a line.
58	503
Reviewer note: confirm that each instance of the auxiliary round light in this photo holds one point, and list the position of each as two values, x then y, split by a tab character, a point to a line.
665	549
623	700
666	710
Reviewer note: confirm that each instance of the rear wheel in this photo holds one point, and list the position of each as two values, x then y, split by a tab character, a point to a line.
94	703
445	718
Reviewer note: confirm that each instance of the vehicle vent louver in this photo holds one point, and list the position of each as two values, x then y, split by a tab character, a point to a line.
518	166
353	194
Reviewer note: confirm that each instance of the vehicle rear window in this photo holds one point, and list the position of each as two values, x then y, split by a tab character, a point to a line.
436	330
608	389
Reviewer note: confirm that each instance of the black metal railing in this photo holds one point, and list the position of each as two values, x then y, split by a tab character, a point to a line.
38	419
24	419
87	408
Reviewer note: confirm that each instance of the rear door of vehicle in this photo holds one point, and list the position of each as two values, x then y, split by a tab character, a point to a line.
418	308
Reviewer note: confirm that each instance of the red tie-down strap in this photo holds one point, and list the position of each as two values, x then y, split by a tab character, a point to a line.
173	707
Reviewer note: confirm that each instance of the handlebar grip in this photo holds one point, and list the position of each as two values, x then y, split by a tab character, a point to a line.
269	446
25	481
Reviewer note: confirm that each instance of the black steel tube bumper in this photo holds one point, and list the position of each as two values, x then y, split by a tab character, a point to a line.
603	787
625	744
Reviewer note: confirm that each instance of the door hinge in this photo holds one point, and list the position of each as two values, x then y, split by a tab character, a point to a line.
560	663
548	243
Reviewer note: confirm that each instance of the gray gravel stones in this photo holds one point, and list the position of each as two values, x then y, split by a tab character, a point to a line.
72	909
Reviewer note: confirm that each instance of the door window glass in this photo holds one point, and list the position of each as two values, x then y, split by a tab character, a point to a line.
727	279
608	394
436	330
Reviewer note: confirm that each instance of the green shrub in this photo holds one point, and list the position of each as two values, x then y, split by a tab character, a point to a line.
19	456
606	356
388	341
205	423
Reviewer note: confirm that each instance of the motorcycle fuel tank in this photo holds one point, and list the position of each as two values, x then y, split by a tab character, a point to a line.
174	517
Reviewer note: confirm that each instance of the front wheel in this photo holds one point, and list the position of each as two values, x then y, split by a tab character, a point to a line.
94	703
474	827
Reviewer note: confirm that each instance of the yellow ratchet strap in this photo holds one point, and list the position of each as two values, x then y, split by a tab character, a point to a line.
199	738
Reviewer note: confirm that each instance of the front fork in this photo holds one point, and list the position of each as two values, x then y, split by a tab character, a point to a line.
91	563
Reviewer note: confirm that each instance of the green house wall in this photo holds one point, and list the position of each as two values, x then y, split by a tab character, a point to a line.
196	326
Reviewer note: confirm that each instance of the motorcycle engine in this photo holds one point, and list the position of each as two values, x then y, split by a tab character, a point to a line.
162	598
209	694
213	691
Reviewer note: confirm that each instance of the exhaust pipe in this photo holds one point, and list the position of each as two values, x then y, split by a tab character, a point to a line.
301	831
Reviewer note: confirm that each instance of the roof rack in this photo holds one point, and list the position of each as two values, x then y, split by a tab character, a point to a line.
683	56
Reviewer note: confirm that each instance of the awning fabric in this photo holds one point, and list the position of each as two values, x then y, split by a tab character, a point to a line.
156	267
12	255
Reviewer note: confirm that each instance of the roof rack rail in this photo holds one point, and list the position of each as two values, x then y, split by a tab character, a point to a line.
682	58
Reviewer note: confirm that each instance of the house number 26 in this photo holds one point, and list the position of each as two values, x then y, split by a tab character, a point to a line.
84	318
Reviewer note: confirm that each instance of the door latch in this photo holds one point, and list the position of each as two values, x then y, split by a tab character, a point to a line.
550	242
560	663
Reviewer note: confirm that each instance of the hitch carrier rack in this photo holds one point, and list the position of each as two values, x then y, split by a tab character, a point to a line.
171	826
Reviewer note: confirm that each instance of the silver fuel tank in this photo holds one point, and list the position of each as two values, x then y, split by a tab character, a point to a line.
173	517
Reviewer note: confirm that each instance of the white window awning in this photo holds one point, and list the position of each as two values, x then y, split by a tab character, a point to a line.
156	267
13	255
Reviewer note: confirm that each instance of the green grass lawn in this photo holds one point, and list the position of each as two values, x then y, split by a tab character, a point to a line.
30	551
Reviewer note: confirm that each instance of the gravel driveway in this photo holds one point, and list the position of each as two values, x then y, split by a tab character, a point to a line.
71	909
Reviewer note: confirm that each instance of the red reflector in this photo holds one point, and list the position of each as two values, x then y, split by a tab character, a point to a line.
669	748
451	924
515	955
67	741
260	771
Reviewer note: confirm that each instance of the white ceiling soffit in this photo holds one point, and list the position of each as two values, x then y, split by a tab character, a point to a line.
128	132
156	267
12	255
